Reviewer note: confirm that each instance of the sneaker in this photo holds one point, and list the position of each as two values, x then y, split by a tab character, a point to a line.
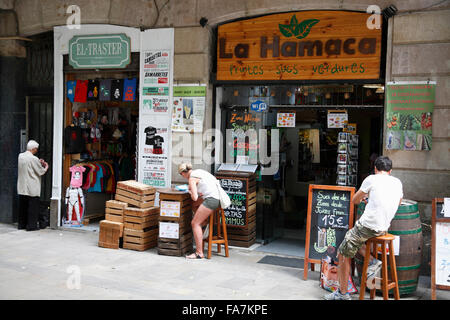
373	269
337	295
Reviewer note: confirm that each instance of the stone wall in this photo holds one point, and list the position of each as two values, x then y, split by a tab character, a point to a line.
419	49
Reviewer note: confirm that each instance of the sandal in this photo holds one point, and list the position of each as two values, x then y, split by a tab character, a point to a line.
194	255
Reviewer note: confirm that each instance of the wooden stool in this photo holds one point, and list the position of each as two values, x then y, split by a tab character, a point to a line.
218	216
371	244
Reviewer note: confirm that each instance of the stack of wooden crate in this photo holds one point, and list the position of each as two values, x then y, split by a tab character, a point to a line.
131	216
140	216
111	229
175	232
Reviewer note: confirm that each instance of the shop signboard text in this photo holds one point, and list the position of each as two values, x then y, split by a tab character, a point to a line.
107	51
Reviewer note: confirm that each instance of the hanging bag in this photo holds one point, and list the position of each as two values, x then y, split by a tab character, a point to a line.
224	199
329	278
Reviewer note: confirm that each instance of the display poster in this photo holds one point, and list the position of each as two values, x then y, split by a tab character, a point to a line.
442	253
170	209
409	110
155	113
169	230
154	156
440	246
286	120
188	108
337	120
155	89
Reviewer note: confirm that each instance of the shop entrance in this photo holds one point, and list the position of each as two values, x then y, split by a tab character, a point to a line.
100	130
308	151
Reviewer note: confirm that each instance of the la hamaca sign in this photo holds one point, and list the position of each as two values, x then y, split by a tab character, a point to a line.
108	51
309	45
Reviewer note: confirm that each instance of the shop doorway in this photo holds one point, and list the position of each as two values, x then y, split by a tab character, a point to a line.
308	151
100	136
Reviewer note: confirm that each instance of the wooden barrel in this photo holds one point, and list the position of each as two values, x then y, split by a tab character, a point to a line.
406	224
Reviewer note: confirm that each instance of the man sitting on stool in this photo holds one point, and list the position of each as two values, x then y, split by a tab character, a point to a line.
385	195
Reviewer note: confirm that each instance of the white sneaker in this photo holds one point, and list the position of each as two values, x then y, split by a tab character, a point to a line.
337	295
373	269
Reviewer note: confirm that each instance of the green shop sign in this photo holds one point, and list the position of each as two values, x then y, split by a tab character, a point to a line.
107	51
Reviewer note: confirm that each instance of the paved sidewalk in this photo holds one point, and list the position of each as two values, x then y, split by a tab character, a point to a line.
45	264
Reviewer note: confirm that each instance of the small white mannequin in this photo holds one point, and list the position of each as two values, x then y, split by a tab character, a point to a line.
72	201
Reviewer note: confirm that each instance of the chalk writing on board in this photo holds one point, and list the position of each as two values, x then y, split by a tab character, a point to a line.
330	221
235	214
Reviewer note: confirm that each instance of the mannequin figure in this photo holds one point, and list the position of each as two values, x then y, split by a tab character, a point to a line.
74	195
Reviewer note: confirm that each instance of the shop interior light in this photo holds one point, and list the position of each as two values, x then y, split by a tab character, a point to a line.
236	93
347	95
380	90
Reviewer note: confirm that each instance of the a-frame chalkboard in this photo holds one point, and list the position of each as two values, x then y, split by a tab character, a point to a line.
440	244
330	216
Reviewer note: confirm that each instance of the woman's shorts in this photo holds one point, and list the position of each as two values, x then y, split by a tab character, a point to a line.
211	203
355	238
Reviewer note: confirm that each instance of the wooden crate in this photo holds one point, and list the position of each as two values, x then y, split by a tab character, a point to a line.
114	210
135	193
176	247
140	218
140	239
136	187
110	234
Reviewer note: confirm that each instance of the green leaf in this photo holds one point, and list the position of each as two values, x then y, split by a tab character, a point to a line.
294	22
305	27
285	30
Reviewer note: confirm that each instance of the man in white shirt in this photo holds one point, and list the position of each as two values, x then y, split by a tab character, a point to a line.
385	195
30	170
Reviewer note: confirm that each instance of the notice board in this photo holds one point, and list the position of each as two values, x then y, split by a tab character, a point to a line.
330	216
440	248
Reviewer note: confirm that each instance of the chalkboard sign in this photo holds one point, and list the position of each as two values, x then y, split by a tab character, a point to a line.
330	216
236	213
440	248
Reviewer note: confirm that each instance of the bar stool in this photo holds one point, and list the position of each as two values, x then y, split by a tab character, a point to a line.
217	217
371	245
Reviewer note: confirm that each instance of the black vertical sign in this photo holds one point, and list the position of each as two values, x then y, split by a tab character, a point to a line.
236	213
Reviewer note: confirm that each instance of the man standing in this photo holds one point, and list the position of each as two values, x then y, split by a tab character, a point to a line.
30	170
385	195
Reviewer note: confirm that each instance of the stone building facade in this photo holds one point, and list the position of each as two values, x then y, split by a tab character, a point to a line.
418	48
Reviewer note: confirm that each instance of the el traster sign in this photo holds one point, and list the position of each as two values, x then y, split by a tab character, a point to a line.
309	45
99	51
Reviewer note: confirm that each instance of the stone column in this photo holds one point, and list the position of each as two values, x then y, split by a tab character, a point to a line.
12	111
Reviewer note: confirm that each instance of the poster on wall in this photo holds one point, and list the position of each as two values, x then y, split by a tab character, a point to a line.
155	90
155	113
154	158
286	120
188	108
409	110
336	119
